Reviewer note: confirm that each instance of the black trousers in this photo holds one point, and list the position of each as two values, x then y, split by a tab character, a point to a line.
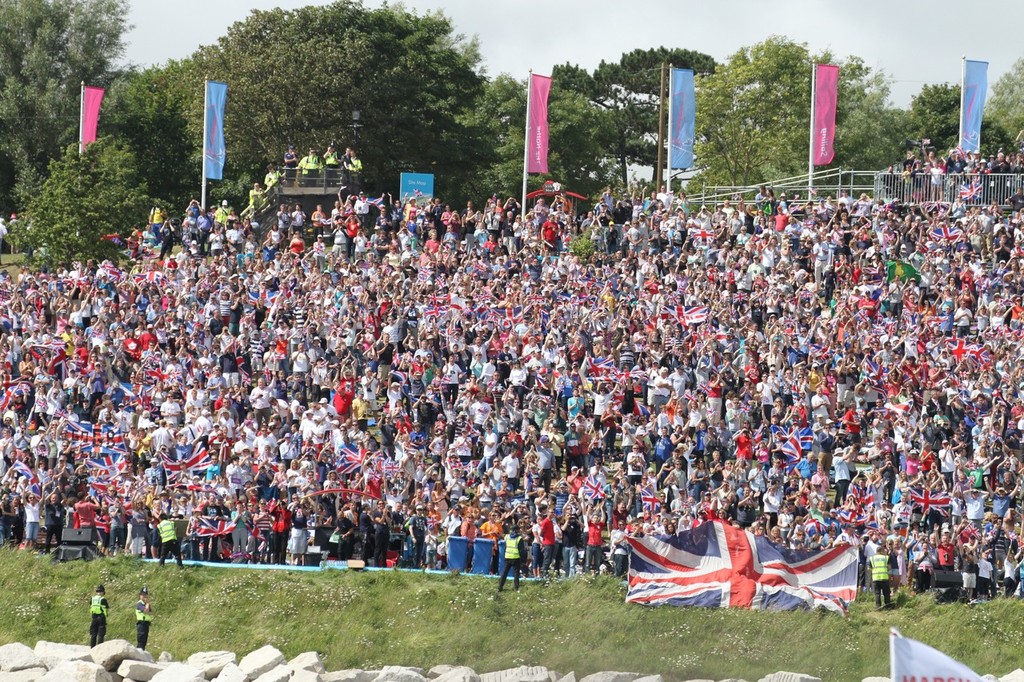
511	565
169	548
97	629
141	633
882	590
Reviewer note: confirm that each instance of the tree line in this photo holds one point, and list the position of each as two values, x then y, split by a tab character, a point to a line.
425	104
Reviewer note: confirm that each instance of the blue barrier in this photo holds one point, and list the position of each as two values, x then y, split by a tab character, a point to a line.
482	550
501	556
458	548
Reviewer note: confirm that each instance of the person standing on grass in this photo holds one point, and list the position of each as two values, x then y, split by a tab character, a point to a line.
169	543
98	610
143	619
879	565
515	548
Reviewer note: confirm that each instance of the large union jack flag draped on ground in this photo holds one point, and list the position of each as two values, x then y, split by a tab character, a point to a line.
718	566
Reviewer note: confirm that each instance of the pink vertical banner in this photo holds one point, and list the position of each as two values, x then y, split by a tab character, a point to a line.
537	159
826	94
91	100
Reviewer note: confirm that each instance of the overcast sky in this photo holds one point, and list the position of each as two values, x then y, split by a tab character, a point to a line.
914	41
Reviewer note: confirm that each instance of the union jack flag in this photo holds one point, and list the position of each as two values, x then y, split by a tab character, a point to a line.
970	192
899	409
107	466
717	566
928	499
350	459
199	460
694	315
96	438
947	233
390	468
806	436
649	497
206	528
814	527
600	365
702	235
19	389
593	489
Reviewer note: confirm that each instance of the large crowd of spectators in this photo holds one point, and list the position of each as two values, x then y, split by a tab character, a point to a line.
402	373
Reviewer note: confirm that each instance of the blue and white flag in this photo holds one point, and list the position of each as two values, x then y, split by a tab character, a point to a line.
683	109
214	151
974	86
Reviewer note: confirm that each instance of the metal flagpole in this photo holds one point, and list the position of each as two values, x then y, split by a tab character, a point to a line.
661	128
810	151
526	143
206	135
81	120
963	78
668	156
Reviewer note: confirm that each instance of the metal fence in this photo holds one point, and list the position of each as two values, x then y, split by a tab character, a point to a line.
825	184
985	189
326	180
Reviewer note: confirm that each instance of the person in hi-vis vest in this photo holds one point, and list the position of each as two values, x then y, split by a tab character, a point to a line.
98	610
143	618
879	565
515	549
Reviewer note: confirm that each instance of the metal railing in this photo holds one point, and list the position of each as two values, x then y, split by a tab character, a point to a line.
327	180
825	183
972	189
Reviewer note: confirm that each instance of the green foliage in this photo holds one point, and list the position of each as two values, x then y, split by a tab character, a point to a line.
84	198
1004	107
295	76
47	49
626	95
147	112
582	246
935	115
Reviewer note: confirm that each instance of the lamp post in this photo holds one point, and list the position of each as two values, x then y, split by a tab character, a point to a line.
356	115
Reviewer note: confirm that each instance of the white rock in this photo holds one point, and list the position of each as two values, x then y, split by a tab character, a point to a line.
53	653
139	671
17	656
211	662
657	678
397	673
789	677
459	673
110	654
260	661
279	674
523	673
77	671
350	675
570	677
984	678
701	680
875	679
1015	676
611	677
27	675
179	672
232	673
731	679
165	657
439	670
305	676
309	660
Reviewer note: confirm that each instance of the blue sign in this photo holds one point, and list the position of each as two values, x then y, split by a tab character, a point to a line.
683	115
418	186
214	151
975	86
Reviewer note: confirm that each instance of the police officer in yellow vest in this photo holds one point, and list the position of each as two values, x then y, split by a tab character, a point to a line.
143	619
272	177
98	609
514	551
879	564
169	543
310	165
332	164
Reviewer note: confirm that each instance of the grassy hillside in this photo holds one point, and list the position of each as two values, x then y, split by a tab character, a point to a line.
365	620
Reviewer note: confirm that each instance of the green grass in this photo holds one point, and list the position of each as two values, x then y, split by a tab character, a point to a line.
366	620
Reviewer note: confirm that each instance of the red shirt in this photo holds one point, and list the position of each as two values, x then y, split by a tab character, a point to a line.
547	532
594	530
86	512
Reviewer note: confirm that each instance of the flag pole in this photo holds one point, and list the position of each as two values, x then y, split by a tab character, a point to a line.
810	152
206	134
661	127
963	79
81	120
526	143
668	156
893	634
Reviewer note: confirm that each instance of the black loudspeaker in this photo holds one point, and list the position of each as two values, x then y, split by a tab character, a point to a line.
74	552
946	579
322	536
78	536
948	595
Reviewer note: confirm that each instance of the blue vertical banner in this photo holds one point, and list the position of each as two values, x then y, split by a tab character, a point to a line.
418	186
683	105
214	151
975	85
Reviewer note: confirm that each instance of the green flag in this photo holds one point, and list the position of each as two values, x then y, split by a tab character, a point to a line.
897	269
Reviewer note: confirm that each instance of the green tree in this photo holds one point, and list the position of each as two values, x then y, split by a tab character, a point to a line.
935	116
296	76
83	199
47	49
627	94
147	112
1004	107
870	132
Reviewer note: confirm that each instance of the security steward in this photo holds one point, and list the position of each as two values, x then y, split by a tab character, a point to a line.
98	608
143	619
880	577
515	549
310	165
169	543
332	164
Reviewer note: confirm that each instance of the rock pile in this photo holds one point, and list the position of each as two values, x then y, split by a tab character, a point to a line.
119	661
